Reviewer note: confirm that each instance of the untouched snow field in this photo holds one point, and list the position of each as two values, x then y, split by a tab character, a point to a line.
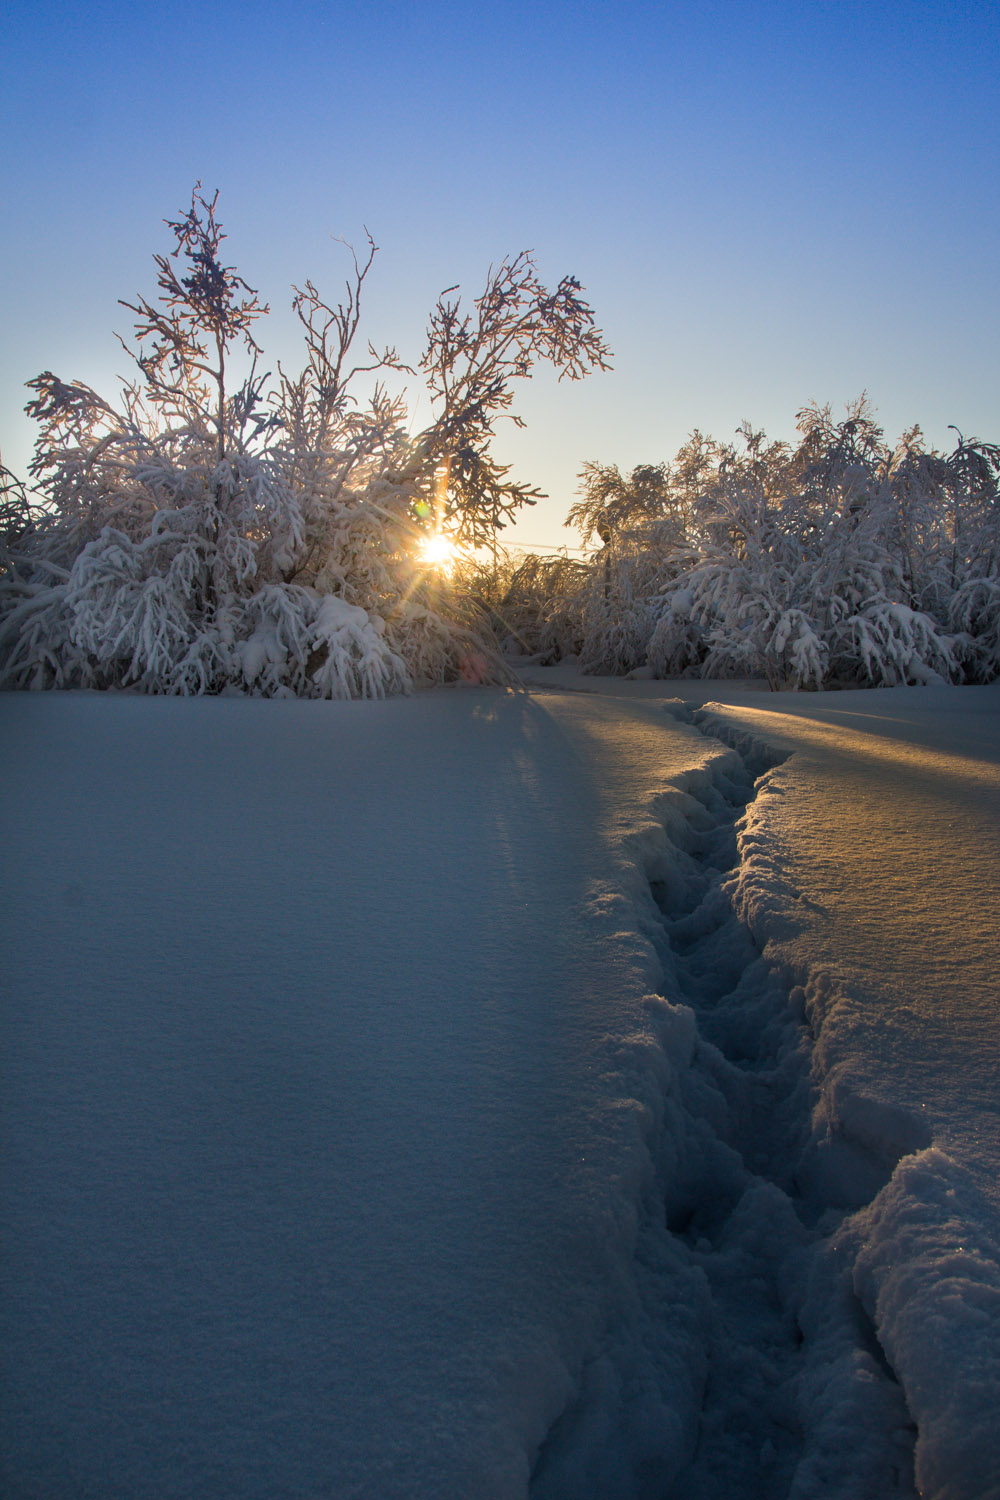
484	1095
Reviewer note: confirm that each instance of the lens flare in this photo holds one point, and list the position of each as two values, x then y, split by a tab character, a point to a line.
438	551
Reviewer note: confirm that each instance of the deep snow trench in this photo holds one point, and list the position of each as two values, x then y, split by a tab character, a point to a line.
798	1398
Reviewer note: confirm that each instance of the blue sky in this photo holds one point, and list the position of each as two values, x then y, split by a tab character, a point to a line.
767	203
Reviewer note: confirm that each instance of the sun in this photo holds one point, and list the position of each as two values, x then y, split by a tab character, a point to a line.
438	551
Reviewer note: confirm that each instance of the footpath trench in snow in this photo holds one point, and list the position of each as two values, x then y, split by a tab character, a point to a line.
800	1399
797	1397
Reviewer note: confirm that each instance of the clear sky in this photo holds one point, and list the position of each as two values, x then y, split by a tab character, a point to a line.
767	203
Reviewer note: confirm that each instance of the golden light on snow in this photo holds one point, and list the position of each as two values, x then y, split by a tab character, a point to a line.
438	551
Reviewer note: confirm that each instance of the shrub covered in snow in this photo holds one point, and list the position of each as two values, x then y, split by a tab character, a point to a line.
210	534
838	560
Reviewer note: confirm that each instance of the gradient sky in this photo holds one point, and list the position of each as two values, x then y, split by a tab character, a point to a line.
767	203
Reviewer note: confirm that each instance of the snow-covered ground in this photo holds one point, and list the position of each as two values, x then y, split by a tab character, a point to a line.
465	1097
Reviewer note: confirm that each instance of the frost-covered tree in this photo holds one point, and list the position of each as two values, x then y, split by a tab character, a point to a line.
217	529
534	601
470	363
15	510
973	599
643	521
612	504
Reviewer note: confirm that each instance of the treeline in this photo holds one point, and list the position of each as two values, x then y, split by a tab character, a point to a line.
218	527
839	560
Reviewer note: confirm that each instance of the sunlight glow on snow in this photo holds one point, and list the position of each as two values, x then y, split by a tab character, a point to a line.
951	768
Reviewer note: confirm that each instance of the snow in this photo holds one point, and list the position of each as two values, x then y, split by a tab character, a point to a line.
464	1096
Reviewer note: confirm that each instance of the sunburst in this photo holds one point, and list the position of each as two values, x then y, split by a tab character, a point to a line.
438	551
